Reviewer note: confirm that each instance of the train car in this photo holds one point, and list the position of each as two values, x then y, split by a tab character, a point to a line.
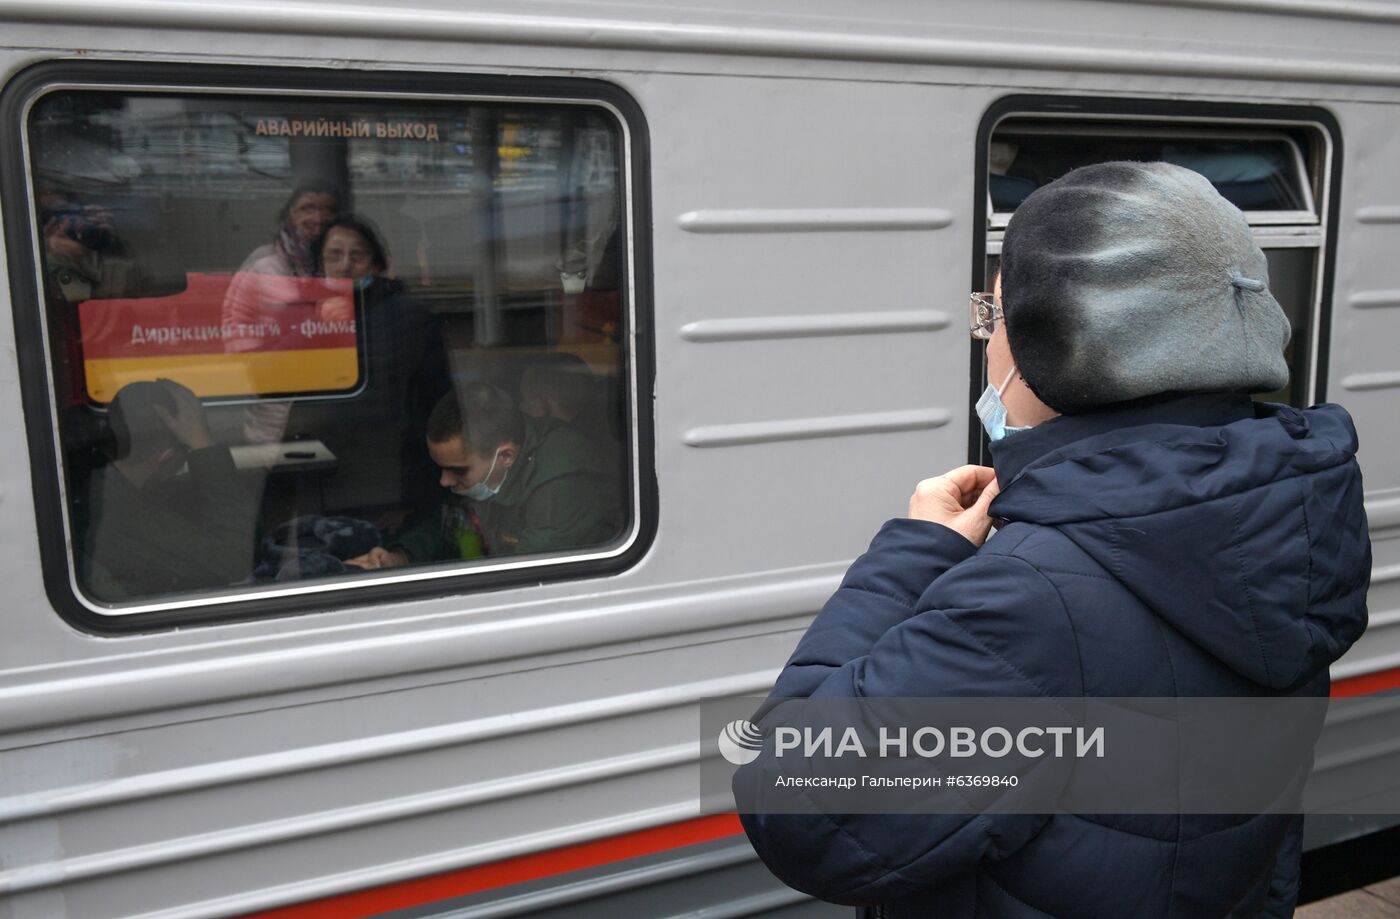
725	251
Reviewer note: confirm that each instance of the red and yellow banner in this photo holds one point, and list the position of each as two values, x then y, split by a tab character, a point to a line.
244	334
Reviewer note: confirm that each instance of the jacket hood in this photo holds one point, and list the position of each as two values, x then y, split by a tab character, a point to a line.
1240	524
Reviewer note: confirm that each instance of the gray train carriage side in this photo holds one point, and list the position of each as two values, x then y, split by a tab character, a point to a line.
738	242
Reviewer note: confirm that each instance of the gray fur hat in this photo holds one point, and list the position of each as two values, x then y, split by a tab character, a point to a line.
1127	280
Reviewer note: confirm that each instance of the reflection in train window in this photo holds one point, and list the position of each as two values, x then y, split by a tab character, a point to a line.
1274	172
305	338
1264	173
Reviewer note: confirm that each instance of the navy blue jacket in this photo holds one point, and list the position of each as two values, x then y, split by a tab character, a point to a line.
1194	546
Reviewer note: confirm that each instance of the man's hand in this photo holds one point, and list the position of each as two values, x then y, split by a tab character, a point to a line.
378	557
959	500
187	423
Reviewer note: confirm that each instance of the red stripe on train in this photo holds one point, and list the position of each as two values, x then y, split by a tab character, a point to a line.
602	852
512	871
1366	684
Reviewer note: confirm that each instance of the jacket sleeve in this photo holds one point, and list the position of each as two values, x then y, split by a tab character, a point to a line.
422	539
878	592
569	512
1286	875
919	615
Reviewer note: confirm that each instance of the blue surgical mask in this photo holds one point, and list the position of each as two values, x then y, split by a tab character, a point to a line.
481	491
992	411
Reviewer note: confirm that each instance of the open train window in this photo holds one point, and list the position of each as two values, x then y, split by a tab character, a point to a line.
305	335
1263	172
1278	165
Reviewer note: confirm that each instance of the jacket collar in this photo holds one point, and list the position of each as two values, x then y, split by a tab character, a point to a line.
1013	454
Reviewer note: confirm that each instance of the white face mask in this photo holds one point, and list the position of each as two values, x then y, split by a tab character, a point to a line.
481	491
991	411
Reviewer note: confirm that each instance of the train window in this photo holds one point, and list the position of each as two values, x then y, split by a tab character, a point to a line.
1262	172
1274	169
309	342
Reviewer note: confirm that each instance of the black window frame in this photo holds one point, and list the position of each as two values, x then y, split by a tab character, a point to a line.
1239	115
27	307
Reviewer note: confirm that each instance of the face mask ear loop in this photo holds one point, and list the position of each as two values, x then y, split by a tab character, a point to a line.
487	481
1006	382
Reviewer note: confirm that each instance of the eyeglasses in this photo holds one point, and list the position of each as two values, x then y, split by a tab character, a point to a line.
985	315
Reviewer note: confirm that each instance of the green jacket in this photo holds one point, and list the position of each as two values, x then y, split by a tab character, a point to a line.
563	493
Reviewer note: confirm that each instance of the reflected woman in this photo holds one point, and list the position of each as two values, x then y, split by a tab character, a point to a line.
299	224
270	279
